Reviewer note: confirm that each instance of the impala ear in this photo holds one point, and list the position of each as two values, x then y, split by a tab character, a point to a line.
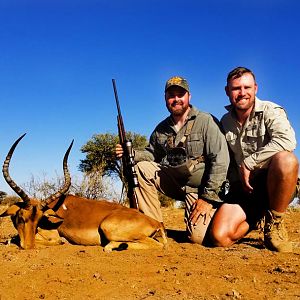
11	211
52	217
54	220
49	212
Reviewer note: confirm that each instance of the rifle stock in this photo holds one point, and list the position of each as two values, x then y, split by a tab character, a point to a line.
128	156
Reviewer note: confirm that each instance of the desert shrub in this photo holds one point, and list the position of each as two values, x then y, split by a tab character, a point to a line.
9	200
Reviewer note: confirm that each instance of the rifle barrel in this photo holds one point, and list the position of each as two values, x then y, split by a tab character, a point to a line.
116	96
128	157
121	127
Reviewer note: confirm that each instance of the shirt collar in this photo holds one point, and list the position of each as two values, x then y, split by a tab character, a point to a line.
192	113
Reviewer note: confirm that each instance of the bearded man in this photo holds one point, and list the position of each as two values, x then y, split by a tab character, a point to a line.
187	159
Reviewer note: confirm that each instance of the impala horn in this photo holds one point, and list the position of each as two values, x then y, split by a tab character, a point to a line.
6	175
67	178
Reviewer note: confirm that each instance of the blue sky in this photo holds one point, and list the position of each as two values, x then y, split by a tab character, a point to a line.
58	58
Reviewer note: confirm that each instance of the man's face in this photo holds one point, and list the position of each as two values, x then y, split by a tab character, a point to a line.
241	92
177	100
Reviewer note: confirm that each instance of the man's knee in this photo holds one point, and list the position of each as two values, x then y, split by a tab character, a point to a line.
142	166
213	237
145	171
219	237
284	161
197	237
197	233
228	226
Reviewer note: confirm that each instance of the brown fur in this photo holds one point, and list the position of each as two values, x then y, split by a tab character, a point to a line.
85	222
79	220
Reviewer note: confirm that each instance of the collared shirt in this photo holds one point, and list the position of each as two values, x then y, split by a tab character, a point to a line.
205	139
266	132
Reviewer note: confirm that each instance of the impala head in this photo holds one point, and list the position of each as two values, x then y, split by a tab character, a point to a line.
27	214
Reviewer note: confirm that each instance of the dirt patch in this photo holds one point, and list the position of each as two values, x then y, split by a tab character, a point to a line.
183	271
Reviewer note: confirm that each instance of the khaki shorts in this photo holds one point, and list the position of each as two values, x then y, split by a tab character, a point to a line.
152	178
199	233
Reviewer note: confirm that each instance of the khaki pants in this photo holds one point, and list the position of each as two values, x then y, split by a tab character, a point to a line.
152	178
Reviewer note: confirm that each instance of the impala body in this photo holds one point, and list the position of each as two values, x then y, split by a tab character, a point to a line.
79	220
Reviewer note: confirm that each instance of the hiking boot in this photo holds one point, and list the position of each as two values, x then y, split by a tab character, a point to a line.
297	192
275	234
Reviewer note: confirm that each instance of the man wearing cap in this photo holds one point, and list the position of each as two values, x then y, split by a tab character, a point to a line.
186	159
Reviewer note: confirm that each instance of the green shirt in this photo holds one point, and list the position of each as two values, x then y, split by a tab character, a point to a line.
205	139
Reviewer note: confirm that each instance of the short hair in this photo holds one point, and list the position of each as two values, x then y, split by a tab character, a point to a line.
239	72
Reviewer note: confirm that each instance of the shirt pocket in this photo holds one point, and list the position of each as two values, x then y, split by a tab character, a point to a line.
255	138
195	145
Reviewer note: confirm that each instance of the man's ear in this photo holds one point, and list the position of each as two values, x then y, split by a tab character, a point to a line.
226	90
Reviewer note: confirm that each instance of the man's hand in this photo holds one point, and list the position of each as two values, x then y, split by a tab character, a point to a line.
245	176
119	151
200	209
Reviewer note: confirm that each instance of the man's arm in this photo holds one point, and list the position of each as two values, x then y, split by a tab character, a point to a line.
245	176
281	134
216	161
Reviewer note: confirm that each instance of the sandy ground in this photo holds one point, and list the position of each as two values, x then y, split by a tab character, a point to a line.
183	271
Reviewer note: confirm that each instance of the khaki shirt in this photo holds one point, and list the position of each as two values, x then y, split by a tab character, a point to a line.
205	139
266	132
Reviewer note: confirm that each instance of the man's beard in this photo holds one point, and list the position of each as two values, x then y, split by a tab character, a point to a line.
178	111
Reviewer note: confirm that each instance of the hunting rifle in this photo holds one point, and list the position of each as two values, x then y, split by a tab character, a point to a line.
128	156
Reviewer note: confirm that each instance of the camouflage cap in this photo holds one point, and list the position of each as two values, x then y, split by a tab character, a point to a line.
179	81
